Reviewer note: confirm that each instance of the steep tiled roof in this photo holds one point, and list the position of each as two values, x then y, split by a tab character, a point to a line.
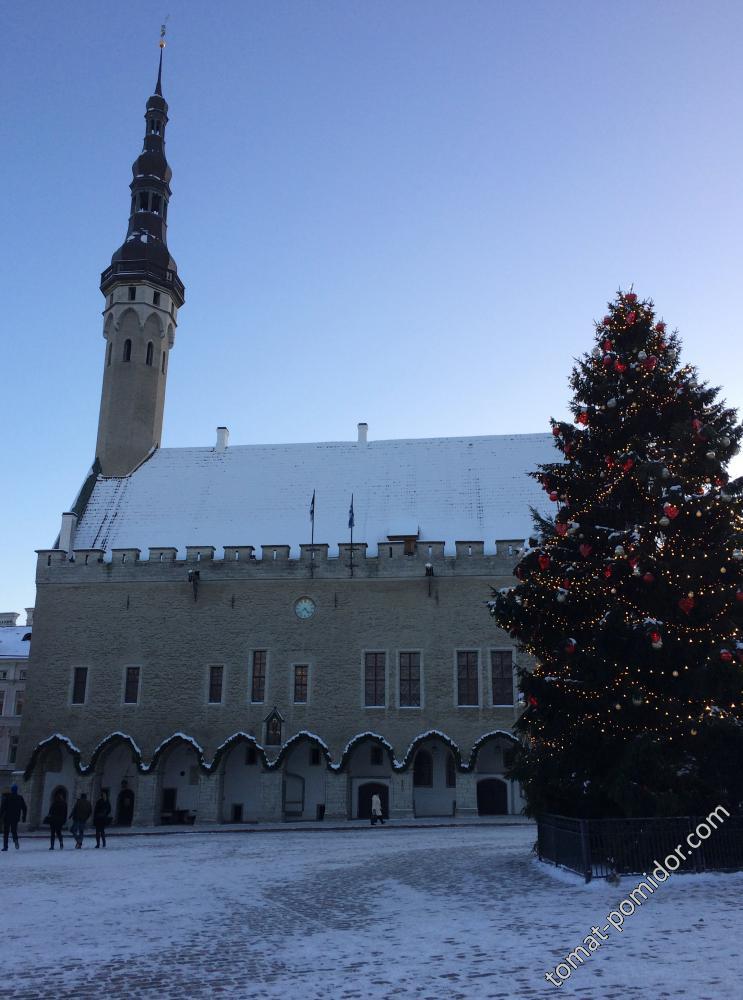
450	489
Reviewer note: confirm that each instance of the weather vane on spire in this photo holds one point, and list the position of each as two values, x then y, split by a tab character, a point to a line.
158	86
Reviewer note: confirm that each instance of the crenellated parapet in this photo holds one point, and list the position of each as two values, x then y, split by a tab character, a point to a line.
393	559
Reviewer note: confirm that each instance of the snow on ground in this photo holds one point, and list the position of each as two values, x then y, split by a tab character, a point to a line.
451	913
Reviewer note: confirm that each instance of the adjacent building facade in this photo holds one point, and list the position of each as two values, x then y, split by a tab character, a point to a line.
267	632
15	646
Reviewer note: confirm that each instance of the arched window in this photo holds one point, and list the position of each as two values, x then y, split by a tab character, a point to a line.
148	358
127	350
108	354
423	769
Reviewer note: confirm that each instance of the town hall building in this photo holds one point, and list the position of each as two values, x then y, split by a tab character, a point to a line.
241	633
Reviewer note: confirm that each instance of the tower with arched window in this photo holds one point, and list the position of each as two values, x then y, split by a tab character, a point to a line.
143	294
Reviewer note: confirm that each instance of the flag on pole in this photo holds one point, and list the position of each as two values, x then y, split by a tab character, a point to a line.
312	508
350	514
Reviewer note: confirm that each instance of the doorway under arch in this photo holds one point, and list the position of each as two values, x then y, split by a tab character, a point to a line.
492	797
365	793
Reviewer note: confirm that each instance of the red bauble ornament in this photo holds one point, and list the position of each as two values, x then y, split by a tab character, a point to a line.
650	363
607	345
739	596
561	529
608	572
655	636
696	425
544	562
686	604
648	578
606	319
553	495
620	367
670	510
566	583
585	550
583	417
628	464
631	297
631	317
556	431
607	360
532	701
609	459
660	327
570	646
726	656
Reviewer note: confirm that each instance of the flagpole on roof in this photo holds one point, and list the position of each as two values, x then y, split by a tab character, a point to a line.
350	525
312	539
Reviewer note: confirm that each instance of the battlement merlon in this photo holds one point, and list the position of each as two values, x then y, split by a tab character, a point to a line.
392	559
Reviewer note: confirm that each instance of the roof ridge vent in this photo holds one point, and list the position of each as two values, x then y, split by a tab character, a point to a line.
363	430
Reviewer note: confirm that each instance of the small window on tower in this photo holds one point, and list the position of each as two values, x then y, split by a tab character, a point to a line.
132	293
108	355
155	126
144	201
148	358
162	363
156	298
155	204
127	350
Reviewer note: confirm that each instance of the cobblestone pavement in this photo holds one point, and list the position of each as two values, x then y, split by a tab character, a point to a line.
453	913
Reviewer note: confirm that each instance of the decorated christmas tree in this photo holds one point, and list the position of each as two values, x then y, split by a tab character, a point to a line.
630	599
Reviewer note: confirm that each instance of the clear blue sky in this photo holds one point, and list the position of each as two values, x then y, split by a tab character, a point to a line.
407	212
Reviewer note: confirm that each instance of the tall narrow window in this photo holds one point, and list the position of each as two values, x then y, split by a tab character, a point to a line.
501	668
79	685
374	668
216	673
423	769
148	356
156	298
258	683
467	670
127	356
162	362
131	686
155	202
13	750
19	703
132	293
144	201
410	680
2	697
108	354
301	670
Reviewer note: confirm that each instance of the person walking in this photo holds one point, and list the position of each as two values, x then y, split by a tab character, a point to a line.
80	815
57	818
376	810
12	809
101	818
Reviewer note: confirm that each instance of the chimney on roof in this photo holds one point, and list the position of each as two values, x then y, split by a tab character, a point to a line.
67	531
223	436
8	619
363	431
29	617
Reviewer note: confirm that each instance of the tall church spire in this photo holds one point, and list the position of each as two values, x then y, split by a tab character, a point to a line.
143	294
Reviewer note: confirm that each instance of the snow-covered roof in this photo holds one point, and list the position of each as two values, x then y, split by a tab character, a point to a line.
12	644
449	489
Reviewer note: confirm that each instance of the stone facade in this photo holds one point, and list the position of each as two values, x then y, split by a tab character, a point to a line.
111	613
15	645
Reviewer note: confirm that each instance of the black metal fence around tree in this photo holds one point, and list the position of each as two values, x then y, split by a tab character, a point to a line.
596	848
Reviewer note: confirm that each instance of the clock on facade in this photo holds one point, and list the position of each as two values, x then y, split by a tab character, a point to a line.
304	607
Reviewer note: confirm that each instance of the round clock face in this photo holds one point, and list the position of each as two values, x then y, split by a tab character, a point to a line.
304	607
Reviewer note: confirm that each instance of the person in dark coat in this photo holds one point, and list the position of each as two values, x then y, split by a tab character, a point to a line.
12	809
101	818
57	818
80	815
